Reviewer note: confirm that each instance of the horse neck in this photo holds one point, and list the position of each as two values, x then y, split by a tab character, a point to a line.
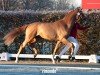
70	18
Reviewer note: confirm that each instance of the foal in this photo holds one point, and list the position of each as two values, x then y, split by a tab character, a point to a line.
56	31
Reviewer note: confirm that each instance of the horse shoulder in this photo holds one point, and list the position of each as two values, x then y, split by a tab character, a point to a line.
61	29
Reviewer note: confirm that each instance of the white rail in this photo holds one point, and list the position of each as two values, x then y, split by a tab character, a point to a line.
46	56
91	58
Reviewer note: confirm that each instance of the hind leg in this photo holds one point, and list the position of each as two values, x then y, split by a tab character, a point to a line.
20	49
55	49
29	35
22	46
32	46
26	41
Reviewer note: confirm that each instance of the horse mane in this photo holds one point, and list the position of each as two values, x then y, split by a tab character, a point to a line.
70	19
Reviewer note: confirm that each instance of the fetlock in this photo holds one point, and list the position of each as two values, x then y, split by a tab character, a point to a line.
58	59
72	58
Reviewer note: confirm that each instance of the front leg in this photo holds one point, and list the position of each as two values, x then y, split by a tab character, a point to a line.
71	53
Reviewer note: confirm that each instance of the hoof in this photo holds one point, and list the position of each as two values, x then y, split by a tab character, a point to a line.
16	61
58	59
54	62
71	58
35	55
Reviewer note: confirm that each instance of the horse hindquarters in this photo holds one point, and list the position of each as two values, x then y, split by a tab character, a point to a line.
30	33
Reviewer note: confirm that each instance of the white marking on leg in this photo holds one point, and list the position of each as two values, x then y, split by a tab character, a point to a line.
53	61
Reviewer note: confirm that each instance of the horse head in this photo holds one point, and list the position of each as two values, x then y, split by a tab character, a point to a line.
80	15
81	18
72	16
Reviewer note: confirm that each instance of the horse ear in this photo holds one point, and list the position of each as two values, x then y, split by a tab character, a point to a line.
79	8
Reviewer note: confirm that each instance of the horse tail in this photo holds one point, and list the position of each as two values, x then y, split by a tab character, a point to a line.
9	38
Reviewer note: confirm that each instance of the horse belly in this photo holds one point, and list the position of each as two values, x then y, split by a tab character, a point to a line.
46	33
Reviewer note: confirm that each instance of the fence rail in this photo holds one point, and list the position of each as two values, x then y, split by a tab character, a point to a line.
46	56
92	58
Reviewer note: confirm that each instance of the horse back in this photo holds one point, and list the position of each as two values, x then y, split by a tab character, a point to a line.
46	31
52	31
